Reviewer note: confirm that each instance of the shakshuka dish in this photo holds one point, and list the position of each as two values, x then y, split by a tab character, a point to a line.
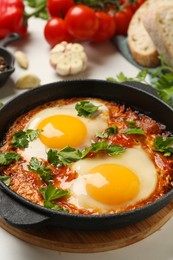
87	156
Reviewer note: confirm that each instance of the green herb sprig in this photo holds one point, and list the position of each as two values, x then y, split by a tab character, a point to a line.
6	179
112	130
68	155
9	157
133	129
50	193
40	168
86	108
121	77
1	104
164	145
22	138
161	79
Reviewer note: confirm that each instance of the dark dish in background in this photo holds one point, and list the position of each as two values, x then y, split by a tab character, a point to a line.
22	213
6	58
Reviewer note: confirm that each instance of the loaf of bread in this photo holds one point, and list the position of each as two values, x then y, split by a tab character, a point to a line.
141	45
159	25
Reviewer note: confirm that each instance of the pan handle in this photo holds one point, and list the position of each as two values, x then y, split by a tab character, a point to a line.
13	37
139	85
19	215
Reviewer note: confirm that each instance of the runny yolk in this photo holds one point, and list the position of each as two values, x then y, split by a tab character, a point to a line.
112	184
62	130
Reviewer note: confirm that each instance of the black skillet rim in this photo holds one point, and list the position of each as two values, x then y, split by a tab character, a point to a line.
49	212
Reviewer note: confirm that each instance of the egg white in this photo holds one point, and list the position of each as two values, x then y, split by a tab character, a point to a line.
93	125
135	159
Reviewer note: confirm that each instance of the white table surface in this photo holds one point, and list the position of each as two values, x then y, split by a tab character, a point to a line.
104	61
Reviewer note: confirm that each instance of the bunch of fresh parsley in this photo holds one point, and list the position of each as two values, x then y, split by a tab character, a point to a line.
161	79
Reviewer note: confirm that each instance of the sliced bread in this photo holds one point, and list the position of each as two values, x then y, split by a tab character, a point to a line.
141	46
159	25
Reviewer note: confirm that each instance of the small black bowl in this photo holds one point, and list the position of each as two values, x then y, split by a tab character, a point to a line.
23	214
8	57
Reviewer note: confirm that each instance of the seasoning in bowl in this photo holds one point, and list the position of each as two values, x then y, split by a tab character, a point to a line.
3	64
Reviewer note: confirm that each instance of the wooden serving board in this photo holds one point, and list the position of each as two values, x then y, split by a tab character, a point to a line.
88	241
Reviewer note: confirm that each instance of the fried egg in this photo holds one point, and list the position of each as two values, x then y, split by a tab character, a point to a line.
62	127
113	182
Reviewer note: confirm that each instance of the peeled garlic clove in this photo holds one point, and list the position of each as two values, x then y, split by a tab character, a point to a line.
69	46
76	47
63	67
28	81
84	59
76	66
59	47
22	59
55	57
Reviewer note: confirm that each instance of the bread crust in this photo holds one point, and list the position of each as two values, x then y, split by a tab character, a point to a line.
160	29
141	46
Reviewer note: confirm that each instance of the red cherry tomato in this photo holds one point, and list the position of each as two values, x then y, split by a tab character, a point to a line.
81	22
122	20
106	27
17	3
59	8
55	31
136	5
133	6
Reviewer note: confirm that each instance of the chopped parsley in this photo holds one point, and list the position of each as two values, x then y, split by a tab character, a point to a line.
112	130
134	131
5	179
164	145
22	138
86	108
68	155
7	158
108	148
64	157
41	169
51	193
1	104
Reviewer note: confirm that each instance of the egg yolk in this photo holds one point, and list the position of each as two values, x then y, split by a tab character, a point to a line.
115	185
62	130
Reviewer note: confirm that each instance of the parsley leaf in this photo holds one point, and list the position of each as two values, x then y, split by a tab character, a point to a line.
115	149
51	193
51	205
40	168
21	138
112	130
64	157
161	79
131	124
108	148
86	108
1	104
99	146
133	131
68	155
7	158
39	9
164	145
5	179
141	77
